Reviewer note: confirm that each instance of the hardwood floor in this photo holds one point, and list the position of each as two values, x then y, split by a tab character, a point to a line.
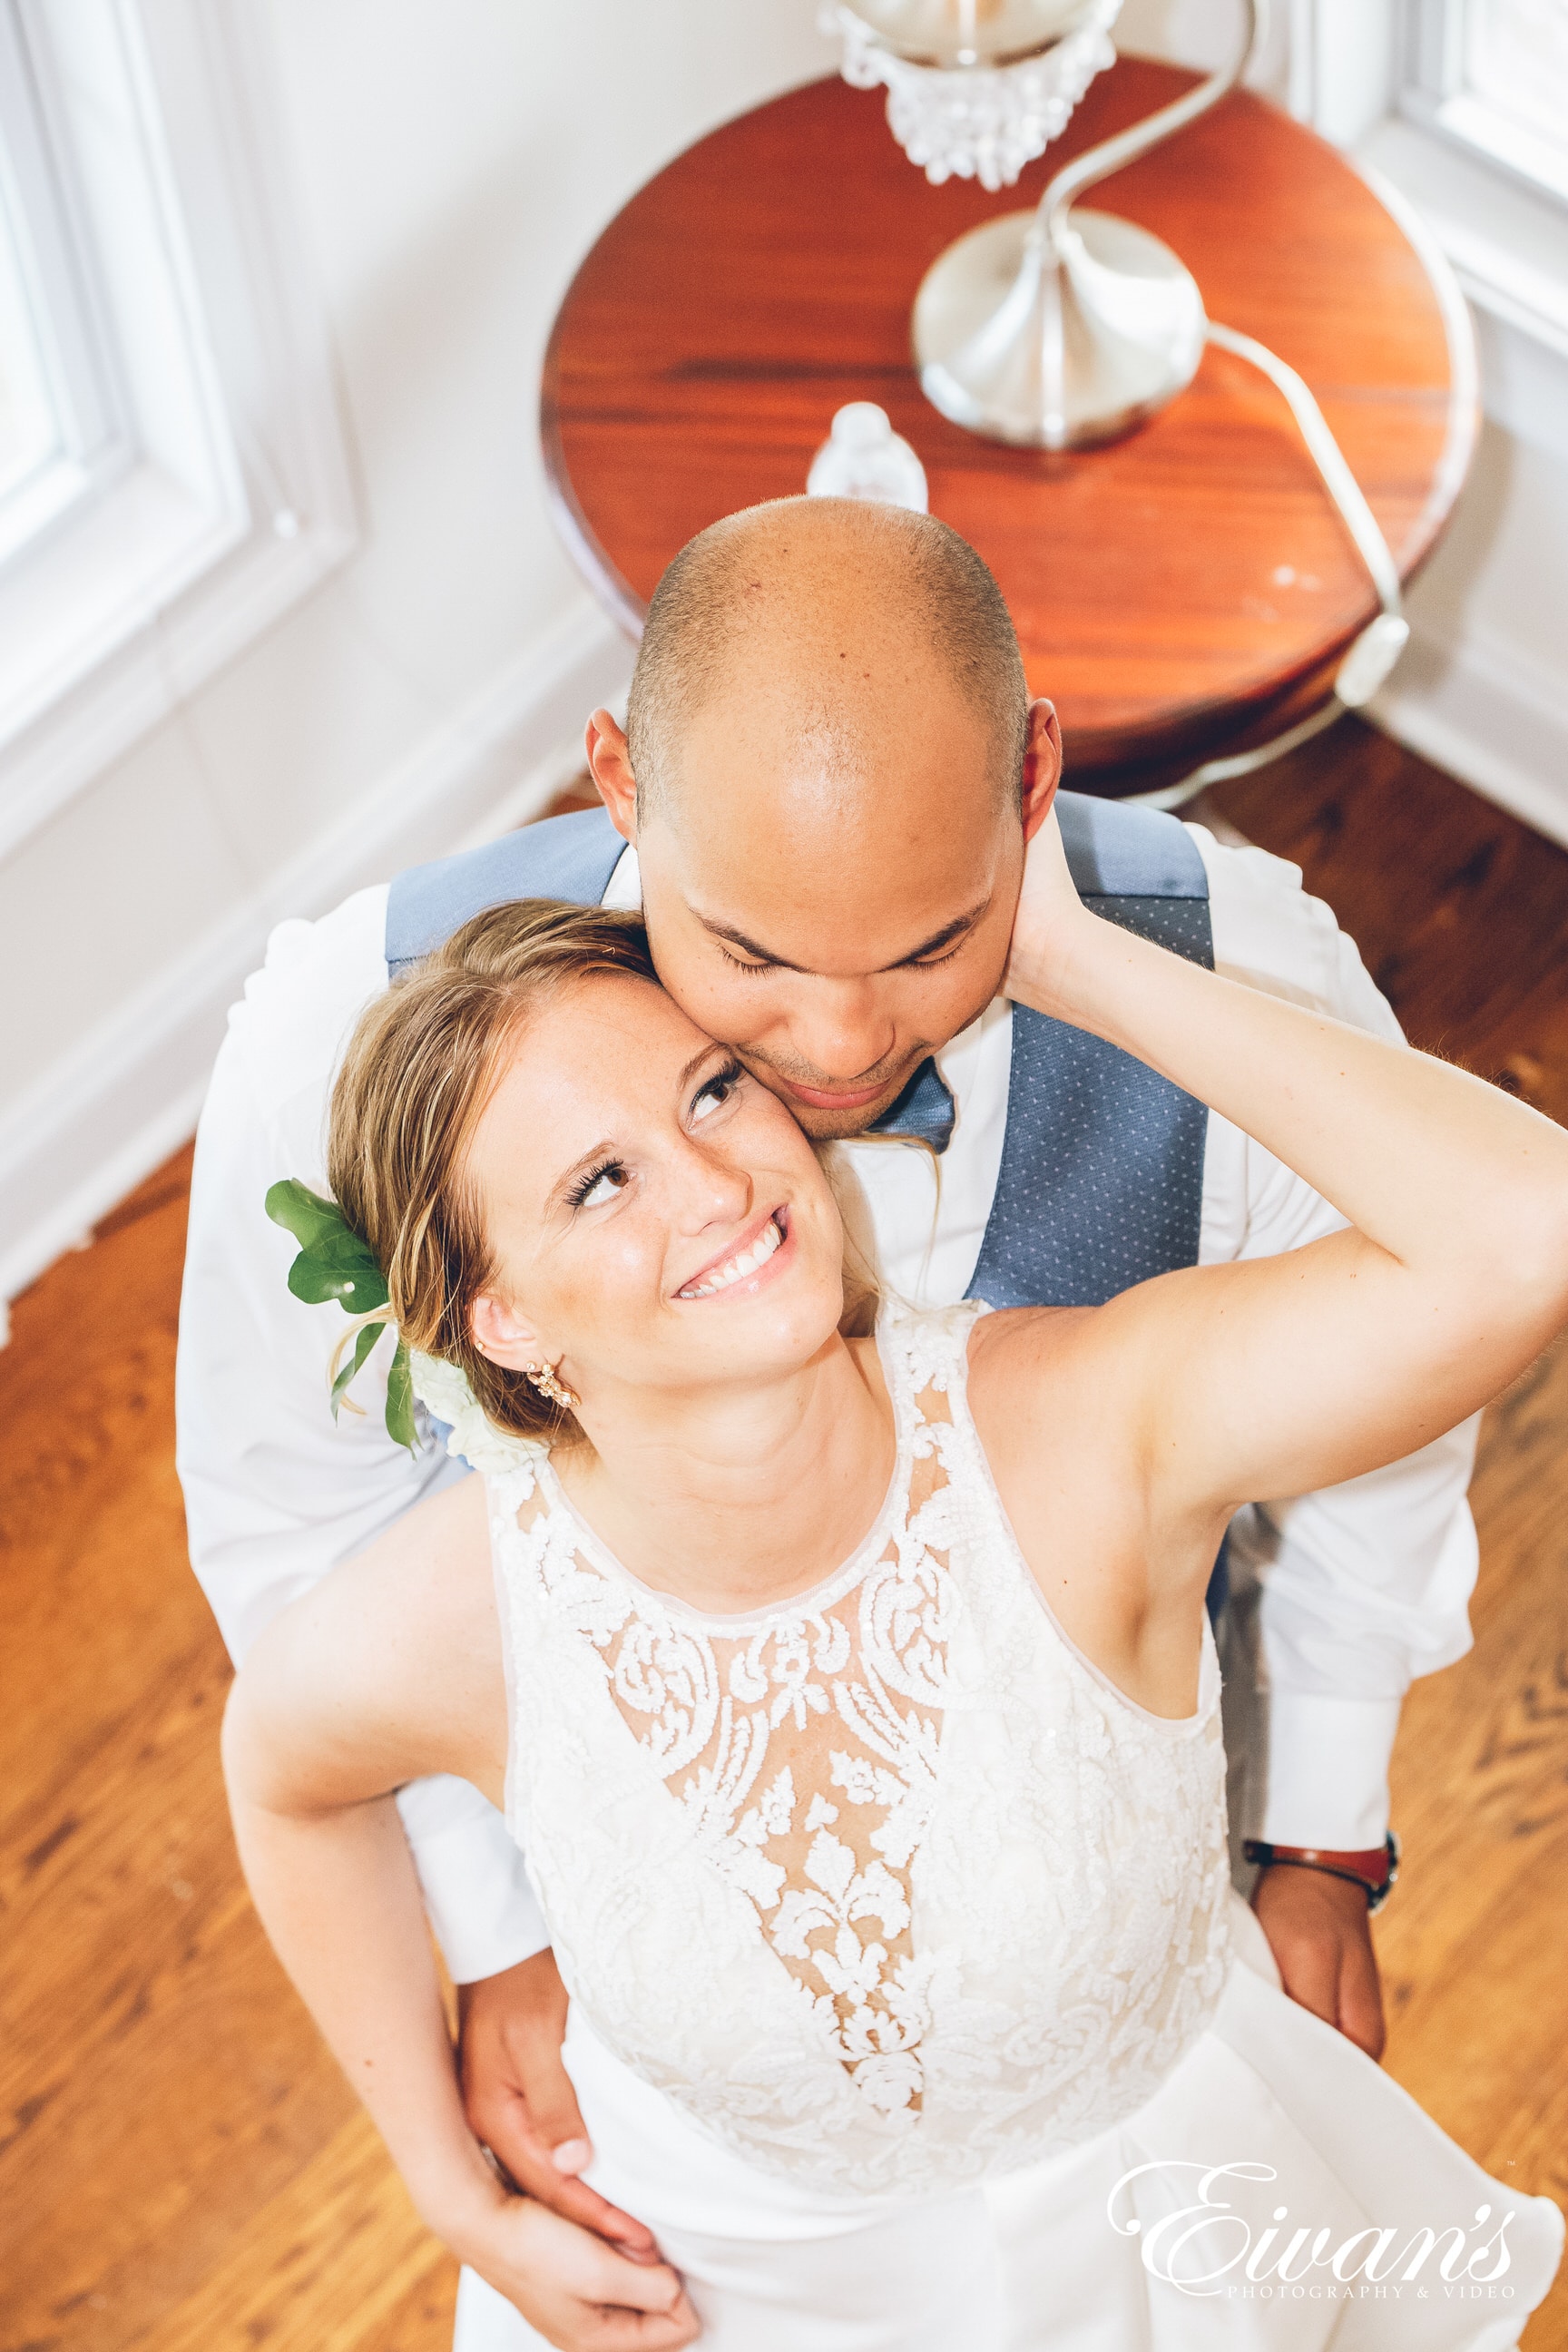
182	2168
1462	917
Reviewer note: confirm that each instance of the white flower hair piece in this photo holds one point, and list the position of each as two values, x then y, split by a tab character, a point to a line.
472	1436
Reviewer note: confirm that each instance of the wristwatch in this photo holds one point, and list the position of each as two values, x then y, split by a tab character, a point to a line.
1374	1868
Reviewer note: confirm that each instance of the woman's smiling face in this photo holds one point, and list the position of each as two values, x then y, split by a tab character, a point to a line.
656	1216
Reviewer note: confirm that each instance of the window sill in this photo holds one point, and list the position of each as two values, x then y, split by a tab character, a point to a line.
78	601
111	627
1509	248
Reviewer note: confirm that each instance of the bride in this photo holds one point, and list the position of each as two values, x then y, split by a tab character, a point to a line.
853	1698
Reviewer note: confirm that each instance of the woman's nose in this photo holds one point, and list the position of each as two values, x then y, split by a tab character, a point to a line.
711	1189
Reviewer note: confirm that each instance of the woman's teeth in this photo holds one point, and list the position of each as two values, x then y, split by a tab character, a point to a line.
736	1269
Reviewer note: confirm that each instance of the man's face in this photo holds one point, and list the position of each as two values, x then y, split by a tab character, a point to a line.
833	901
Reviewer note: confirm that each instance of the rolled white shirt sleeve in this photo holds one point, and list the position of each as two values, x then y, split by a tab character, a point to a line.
276	1492
1341	1598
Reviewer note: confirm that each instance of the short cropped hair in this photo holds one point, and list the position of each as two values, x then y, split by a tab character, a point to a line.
698	615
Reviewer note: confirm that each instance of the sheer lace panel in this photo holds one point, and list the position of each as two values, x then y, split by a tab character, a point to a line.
802	1744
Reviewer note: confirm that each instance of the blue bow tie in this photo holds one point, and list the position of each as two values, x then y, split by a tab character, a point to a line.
925	1109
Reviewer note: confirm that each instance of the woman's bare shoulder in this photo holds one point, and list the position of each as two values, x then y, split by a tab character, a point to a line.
446	1535
1023	1354
1046	1378
1027	1343
394	1658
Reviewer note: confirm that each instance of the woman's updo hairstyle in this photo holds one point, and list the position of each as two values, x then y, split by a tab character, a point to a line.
420	1069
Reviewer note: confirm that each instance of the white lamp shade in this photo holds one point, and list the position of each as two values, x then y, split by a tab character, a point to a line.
976	88
951	33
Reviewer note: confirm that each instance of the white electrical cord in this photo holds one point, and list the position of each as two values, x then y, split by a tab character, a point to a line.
1371	656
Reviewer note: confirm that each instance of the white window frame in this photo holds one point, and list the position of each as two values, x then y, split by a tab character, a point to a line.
222	493
1432	93
69	316
1352	78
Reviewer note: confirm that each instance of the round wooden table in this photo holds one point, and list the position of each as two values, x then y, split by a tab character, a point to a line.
1183	592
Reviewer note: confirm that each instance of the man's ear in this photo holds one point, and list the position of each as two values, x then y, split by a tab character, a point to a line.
503	1335
610	765
1042	765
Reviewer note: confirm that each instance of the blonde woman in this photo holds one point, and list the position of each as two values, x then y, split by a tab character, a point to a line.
854	1698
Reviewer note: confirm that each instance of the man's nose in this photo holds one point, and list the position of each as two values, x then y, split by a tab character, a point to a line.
839	1030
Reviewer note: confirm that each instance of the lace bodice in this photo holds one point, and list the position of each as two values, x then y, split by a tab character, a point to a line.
888	1888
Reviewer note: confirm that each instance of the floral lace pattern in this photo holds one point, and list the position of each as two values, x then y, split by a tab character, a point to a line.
885	1886
804	1748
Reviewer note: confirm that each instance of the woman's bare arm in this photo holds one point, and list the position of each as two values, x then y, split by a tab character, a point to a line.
1277	1376
388	1670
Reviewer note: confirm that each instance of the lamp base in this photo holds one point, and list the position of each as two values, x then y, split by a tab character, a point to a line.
1055	340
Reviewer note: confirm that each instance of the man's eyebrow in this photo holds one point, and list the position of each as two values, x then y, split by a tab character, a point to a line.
946	937
934	946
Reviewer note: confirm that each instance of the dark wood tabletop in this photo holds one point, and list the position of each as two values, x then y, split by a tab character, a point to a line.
1181	593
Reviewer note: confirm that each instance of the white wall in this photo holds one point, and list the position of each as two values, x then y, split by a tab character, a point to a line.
453	163
1483	689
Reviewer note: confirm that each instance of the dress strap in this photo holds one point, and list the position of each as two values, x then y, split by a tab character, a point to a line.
927	1348
515	1553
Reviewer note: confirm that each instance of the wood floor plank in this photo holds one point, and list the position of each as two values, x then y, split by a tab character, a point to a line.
423	2316
330	2260
183	2169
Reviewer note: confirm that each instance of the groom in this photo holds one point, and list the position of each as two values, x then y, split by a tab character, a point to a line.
822	801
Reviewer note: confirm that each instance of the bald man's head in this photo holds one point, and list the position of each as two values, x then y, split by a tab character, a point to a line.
832	779
839	616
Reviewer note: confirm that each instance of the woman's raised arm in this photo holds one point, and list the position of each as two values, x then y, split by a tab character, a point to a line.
1277	1376
388	1670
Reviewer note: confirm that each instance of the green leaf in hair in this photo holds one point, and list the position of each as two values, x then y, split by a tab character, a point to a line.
354	1282
335	1262
364	1343
400	1399
302	1213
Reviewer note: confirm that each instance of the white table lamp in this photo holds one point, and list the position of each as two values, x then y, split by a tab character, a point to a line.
1061	327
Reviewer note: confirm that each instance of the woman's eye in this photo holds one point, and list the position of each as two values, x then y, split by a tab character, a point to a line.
717	1092
600	1189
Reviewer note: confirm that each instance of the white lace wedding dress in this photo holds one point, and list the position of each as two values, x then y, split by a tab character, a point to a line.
911	2006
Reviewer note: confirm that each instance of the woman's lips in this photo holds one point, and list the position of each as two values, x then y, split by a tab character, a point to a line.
765	1244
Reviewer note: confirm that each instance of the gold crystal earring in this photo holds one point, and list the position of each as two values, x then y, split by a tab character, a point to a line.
544	1381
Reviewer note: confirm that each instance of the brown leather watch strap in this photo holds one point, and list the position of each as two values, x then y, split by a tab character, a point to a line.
1374	1868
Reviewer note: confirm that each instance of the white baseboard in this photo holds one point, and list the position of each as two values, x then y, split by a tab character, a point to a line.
102	1118
1496	718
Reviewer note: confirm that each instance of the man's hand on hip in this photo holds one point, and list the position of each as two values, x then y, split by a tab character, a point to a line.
1319	1933
521	2102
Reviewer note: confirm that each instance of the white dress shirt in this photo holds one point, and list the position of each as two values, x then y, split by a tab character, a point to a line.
1339	1597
